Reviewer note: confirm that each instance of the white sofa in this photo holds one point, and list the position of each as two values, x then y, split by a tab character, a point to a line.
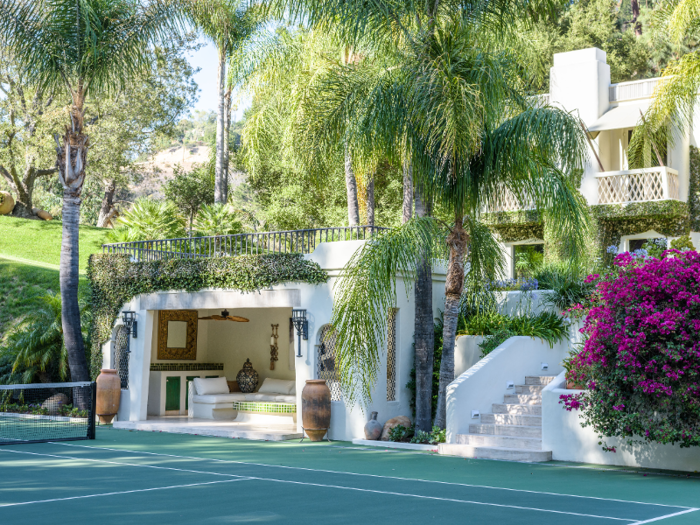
210	399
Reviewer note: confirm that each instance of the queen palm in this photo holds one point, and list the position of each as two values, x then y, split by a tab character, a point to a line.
74	48
228	24
444	87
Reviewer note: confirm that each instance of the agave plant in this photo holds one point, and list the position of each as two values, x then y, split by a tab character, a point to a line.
217	219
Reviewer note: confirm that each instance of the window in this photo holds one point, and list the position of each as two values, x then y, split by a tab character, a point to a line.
325	361
391	357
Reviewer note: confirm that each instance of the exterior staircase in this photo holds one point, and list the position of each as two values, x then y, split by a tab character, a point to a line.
513	431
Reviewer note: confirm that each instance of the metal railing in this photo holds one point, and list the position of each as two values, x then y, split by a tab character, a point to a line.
292	241
641	185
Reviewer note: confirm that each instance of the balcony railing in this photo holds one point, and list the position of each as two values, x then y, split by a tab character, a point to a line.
507	201
643	185
633	90
293	241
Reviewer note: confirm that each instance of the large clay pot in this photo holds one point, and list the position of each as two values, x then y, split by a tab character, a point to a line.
373	428
247	378
109	390
316	408
7	203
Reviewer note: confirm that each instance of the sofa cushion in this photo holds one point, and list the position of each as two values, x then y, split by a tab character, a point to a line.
270	398
218	398
211	386
276	386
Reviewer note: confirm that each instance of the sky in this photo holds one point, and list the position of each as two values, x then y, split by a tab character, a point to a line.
206	59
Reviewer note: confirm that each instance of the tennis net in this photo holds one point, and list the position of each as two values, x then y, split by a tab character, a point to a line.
42	412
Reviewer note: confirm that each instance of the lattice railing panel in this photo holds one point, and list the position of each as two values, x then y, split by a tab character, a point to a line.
509	202
652	184
325	362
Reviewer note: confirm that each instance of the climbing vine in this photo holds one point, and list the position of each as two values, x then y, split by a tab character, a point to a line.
514	226
694	189
115	280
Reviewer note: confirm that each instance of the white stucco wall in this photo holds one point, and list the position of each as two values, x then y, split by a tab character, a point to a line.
563	434
231	343
485	383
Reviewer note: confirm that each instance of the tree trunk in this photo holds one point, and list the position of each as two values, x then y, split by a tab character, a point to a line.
370	202
454	284
227	136
219	173
408	192
424	335
70	161
635	15
106	206
351	187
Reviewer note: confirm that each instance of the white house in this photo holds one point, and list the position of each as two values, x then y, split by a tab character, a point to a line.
632	205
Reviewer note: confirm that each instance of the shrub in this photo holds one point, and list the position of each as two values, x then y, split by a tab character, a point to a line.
401	433
490	343
642	358
546	325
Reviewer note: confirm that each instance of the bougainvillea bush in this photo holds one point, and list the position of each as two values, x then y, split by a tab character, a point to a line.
641	361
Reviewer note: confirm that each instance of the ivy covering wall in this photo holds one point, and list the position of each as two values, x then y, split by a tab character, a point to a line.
515	226
115	280
694	190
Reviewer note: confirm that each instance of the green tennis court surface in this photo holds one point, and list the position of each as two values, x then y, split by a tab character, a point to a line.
137	477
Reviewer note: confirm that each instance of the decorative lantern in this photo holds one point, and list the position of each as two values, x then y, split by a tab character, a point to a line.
247	378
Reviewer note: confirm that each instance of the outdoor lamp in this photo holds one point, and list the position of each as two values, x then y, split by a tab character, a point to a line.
129	320
302	326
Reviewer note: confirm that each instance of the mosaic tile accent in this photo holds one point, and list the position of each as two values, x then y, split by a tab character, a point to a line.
325	362
391	357
185	367
269	408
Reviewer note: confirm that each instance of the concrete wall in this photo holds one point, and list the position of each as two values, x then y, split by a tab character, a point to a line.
563	434
485	383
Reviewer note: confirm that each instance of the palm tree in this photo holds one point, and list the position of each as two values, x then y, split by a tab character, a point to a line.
228	24
75	48
436	79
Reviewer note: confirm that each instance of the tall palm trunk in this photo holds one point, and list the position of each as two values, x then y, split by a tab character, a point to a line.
424	335
220	169
407	211
70	161
227	130
454	284
370	202
351	188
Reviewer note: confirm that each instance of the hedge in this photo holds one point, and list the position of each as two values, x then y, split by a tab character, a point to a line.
115	280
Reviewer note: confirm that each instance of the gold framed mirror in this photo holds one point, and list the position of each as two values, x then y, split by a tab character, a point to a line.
177	334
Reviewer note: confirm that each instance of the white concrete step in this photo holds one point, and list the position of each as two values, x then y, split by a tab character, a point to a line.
530	410
529	389
508	454
516	399
508	419
483	440
507	430
539	380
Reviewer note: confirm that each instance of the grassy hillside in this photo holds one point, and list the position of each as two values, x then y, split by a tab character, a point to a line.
40	241
29	255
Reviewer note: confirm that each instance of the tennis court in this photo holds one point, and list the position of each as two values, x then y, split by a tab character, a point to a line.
139	477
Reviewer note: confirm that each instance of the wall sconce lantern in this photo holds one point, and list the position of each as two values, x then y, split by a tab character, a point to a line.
129	320
302	326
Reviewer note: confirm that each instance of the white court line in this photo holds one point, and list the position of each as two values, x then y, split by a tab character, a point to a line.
374	476
536	509
117	493
664	517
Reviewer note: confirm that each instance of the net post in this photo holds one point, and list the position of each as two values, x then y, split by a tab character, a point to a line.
93	406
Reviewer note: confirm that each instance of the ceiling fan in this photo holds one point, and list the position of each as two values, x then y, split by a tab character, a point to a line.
224	317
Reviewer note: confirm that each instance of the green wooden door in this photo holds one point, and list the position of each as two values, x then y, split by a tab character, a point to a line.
172	393
187	393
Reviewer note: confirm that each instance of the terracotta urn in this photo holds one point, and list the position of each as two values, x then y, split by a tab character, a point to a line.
247	378
7	203
109	392
373	428
316	408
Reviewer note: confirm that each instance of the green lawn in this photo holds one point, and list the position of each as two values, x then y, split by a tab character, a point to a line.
29	255
41	240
